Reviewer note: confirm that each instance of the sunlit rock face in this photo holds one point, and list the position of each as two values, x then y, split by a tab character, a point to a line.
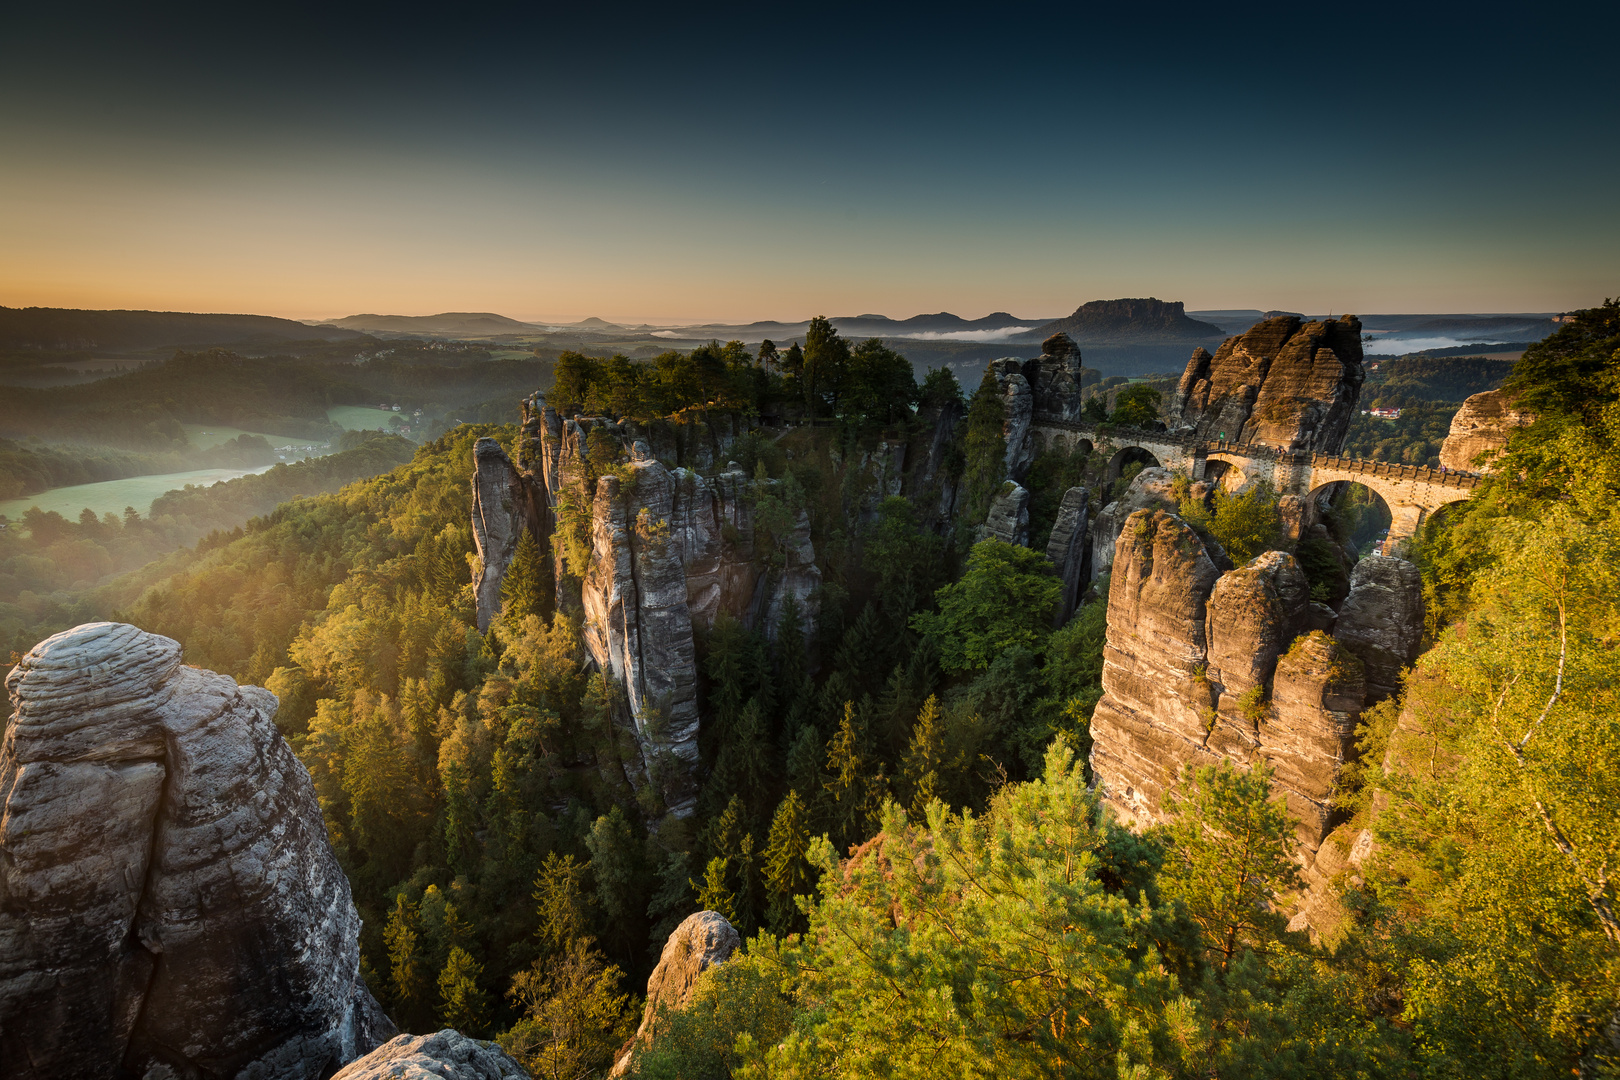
1284	383
701	941
501	510
1482	426
1382	619
169	902
1201	666
444	1055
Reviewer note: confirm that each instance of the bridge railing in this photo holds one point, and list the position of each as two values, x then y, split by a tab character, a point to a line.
1392	470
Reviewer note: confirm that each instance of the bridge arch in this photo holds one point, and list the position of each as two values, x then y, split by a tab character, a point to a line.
1126	456
1353	511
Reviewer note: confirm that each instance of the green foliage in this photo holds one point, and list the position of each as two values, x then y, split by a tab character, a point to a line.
463	1003
1410	379
736	1011
574	1019
1136	406
1230	854
1246	524
1413	438
787	871
985	449
1005	598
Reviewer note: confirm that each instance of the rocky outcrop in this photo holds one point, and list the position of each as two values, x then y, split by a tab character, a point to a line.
1153	488
500	512
700	942
1008	519
1254	612
1134	321
1381	621
1284	383
445	1055
1156	708
1045	388
169	901
671	551
1482	426
1068	549
1200	666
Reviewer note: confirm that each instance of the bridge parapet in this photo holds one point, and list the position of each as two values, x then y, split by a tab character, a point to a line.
1422	474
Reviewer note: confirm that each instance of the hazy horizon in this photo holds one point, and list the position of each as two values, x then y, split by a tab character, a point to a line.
559	165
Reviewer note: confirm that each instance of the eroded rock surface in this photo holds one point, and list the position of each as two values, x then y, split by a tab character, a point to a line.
1284	383
1045	388
500	513
1483	425
1068	547
700	942
1153	488
1381	621
1008	519
168	896
1199	666
444	1055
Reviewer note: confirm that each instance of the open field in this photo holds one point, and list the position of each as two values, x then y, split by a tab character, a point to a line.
361	418
111	496
210	435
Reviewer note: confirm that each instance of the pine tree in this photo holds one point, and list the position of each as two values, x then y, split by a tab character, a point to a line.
920	776
787	871
560	890
408	969
713	892
523	589
789	650
463	1004
846	785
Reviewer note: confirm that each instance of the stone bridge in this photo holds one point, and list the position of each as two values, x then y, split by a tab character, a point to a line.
1412	492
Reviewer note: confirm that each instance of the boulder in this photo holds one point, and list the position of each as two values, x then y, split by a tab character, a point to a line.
1008	519
700	942
444	1055
1284	383
1067	548
1482	426
1381	621
172	905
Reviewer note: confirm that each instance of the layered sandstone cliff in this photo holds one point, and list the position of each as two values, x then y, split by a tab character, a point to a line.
169	902
1045	388
1284	383
1201	665
653	555
1482	426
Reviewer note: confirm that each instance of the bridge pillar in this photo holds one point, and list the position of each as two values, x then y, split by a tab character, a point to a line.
1404	522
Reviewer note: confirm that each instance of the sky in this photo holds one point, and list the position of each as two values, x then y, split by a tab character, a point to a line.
775	162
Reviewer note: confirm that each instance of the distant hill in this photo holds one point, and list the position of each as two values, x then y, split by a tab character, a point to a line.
1131	322
453	323
74	328
942	322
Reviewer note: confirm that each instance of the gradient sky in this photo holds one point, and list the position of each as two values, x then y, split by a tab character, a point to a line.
777	162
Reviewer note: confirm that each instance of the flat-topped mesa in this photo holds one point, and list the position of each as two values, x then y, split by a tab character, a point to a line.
1284	383
172	903
1199	666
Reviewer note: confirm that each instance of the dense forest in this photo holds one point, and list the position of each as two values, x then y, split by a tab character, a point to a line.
893	800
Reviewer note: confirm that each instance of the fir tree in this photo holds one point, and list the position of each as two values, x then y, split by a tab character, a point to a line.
925	759
523	589
408	969
787	871
846	784
713	892
463	1004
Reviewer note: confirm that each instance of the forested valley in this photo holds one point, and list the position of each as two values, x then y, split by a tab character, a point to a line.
894	806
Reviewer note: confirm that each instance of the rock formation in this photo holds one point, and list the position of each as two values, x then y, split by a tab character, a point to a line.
1153	488
700	942
1381	621
1134	321
445	1055
1284	383
169	902
502	507
1481	426
1008	519
1068	549
1200	666
1045	388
